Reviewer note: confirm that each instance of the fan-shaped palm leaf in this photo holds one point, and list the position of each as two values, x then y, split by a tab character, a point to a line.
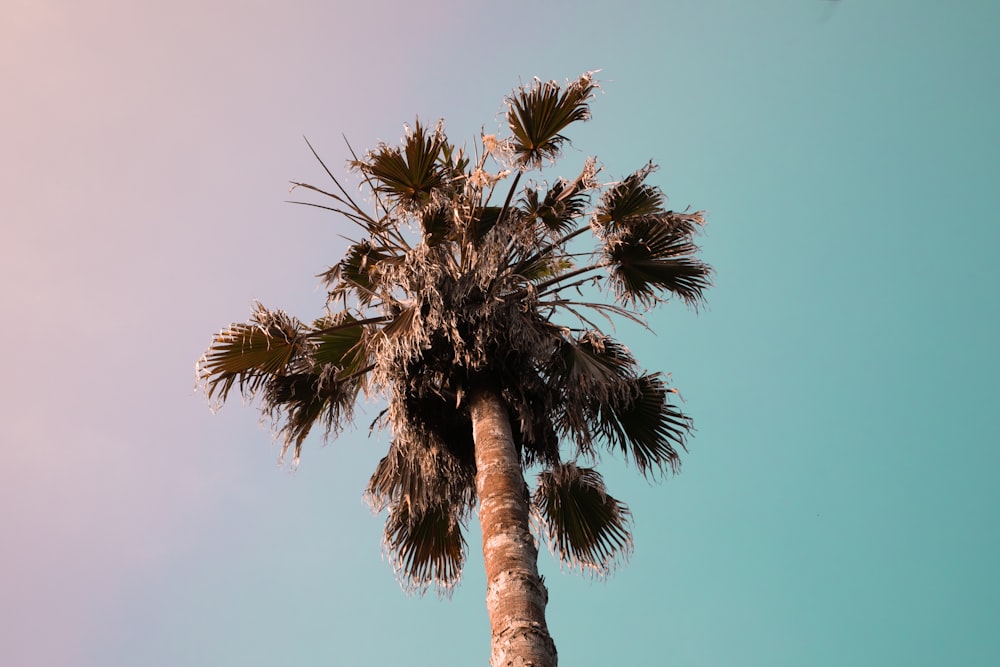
595	362
426	547
341	344
487	219
586	527
645	426
653	254
358	272
536	114
408	176
563	203
455	161
248	353
630	199
437	223
588	372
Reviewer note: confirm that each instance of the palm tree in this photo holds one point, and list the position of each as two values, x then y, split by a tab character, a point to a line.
471	309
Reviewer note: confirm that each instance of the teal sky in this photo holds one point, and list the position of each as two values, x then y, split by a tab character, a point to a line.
839	503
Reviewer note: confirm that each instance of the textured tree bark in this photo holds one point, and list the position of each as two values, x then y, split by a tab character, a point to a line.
515	595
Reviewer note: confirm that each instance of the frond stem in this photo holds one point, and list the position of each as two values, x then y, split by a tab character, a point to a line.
334	179
355	374
549	248
558	279
347	325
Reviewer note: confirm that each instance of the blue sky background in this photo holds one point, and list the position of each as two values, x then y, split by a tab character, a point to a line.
839	503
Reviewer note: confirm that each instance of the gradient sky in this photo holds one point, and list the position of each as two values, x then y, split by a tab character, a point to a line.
839	504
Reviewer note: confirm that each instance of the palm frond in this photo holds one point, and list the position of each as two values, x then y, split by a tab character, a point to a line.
426	547
362	219
275	356
343	350
456	162
587	529
595	361
341	343
359	271
437	223
645	426
538	113
544	268
321	392
653	254
588	371
484	223
351	210
247	354
295	402
563	203
554	247
630	199
408	175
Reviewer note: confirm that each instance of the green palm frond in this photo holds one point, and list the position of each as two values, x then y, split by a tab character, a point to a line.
630	199
653	254
437	222
426	547
588	372
586	528
455	161
544	268
341	343
571	197
594	360
487	219
247	354
408	175
359	271
538	113
562	204
645	426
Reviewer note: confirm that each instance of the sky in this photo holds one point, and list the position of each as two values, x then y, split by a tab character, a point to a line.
838	504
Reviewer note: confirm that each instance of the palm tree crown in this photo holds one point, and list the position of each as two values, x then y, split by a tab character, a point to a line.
463	280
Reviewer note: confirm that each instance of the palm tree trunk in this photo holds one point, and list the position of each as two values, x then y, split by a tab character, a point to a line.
515	595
